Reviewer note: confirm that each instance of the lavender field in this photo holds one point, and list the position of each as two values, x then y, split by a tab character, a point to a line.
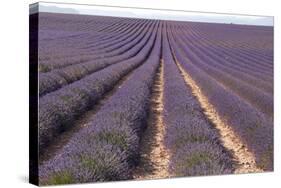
127	98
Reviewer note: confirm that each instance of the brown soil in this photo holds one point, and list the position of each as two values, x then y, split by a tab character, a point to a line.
80	123
244	159
154	159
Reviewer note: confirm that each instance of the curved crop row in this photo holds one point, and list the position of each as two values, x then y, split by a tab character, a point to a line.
259	99
248	72
101	46
83	56
58	78
107	148
75	23
59	108
231	52
249	57
227	53
79	47
66	47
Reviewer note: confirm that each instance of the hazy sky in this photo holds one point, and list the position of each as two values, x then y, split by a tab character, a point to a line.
155	14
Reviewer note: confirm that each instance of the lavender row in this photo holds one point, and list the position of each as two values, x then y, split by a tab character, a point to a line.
56	79
75	22
193	144
79	47
85	55
243	61
103	45
246	72
243	39
256	97
254	129
219	47
107	148
58	109
205	42
88	34
242	52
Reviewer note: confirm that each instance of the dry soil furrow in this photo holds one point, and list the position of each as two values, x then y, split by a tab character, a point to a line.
245	160
154	156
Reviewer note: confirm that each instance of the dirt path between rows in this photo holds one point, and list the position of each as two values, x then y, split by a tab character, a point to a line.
244	159
80	123
154	157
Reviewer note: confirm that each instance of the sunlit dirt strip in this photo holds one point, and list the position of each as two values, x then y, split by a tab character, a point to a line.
154	156
80	123
245	160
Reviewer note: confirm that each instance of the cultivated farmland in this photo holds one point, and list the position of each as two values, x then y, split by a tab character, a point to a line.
124	98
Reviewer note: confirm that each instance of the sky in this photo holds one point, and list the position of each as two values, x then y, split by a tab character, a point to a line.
153	14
